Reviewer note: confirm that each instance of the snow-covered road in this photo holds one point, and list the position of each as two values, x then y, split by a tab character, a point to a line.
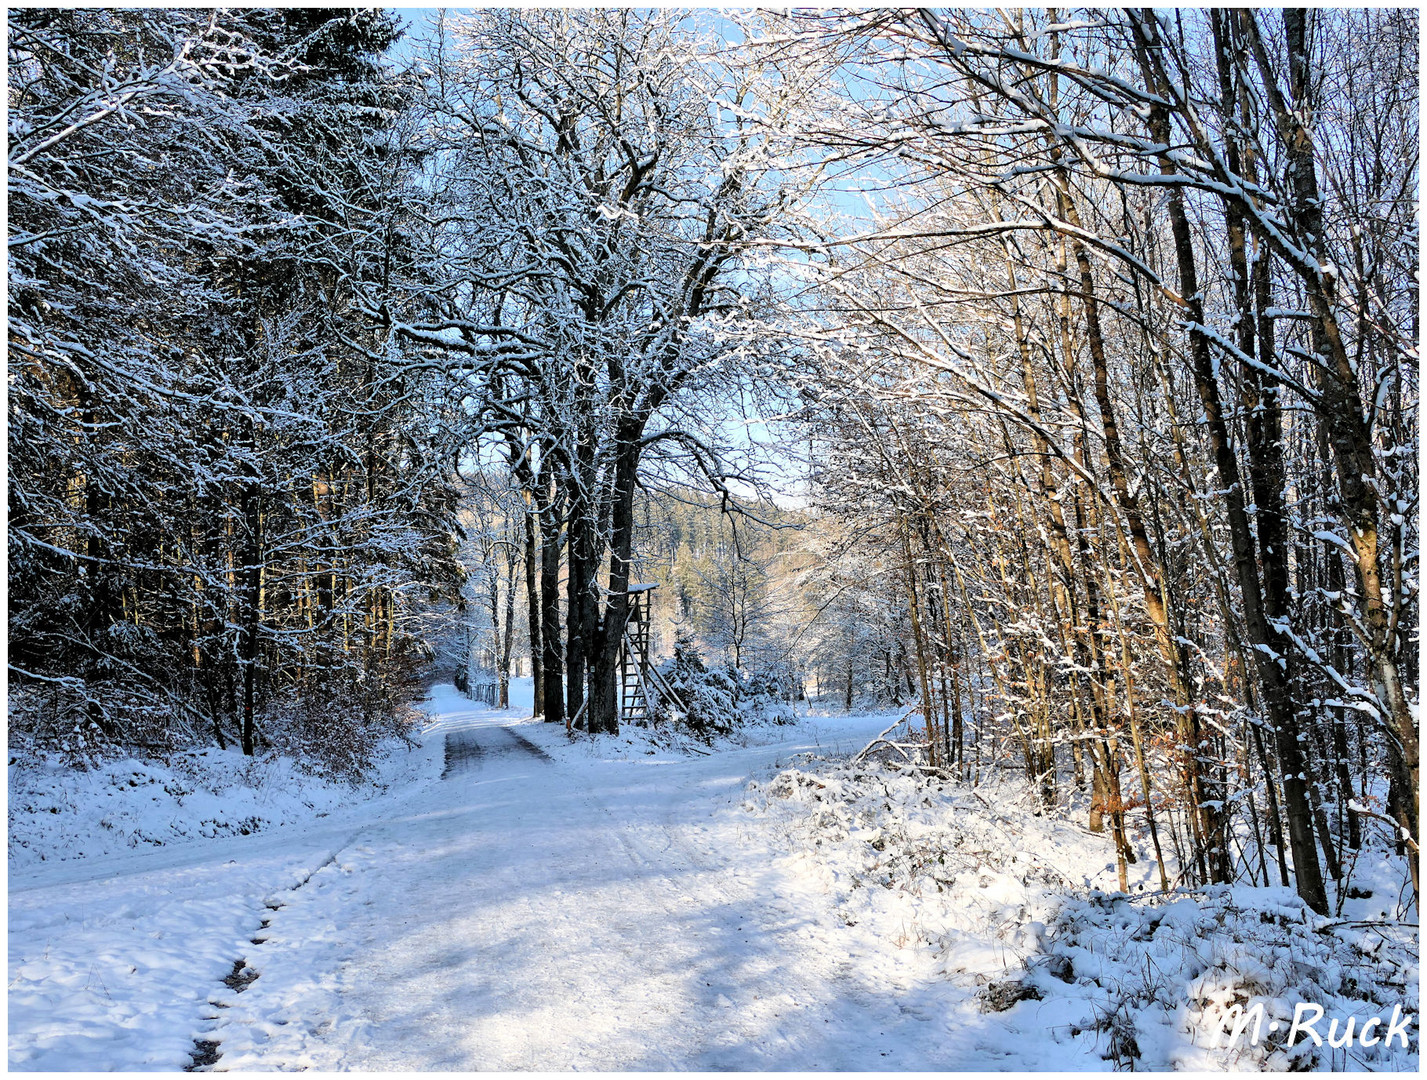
524	903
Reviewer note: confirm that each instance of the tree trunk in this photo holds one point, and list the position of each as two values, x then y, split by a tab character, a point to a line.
1266	643
552	665
252	610
532	600
928	706
1349	435
508	635
578	581
604	699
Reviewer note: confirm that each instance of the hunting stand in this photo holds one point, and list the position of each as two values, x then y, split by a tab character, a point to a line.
634	657
640	683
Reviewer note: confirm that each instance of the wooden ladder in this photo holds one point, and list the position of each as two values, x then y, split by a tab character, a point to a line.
634	664
633	698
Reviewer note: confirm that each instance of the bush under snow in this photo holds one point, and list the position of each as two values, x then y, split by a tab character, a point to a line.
1018	907
717	700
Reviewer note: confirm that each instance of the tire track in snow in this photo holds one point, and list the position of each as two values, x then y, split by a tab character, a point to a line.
696	960
207	1051
465	750
526	745
683	877
777	960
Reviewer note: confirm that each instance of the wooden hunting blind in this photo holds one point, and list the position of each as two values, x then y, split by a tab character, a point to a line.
634	657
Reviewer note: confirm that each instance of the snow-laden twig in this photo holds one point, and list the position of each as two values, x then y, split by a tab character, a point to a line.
882	737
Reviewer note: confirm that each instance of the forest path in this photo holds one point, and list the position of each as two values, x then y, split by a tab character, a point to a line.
569	909
521	900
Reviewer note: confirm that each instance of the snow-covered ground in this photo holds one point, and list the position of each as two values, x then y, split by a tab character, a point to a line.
133	888
511	899
1016	908
57	814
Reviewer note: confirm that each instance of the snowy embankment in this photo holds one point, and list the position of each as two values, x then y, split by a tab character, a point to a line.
57	813
1017	907
515	899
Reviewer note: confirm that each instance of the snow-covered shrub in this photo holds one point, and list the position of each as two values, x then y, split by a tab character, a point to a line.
1166	981
335	726
709	698
765	696
717	700
331	720
86	723
1005	900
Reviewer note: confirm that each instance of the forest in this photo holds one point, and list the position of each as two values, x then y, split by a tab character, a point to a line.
1049	376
